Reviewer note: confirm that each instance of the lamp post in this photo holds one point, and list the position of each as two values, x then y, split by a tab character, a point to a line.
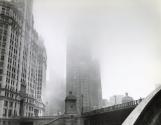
115	99
82	103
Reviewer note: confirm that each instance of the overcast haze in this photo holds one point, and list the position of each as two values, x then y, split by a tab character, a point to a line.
125	35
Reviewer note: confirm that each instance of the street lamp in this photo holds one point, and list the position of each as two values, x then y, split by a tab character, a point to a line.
115	99
82	103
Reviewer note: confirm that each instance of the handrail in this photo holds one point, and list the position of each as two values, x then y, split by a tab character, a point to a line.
40	117
55	120
114	107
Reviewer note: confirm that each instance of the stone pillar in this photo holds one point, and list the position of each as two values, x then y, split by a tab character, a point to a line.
80	121
70	120
70	110
70	105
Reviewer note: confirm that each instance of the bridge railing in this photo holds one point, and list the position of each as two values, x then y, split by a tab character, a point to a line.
30	117
41	120
41	117
114	107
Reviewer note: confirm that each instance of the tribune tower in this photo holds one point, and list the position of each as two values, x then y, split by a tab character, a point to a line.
83	76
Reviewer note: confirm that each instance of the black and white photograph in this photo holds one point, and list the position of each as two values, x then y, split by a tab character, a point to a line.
80	62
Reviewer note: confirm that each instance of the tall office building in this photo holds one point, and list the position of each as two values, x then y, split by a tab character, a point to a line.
22	61
83	76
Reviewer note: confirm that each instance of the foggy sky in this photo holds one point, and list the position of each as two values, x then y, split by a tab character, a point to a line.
124	33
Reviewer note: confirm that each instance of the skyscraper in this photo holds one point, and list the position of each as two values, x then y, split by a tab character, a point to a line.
22	61
83	75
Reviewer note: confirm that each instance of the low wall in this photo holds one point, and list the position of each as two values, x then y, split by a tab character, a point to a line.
27	120
58	120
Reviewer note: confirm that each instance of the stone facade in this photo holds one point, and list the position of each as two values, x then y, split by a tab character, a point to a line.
22	61
70	104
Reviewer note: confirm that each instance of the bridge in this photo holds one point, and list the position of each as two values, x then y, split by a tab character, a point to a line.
139	112
148	112
36	120
87	118
113	115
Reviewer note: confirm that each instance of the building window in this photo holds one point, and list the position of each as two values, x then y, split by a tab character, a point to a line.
1	64
15	104
15	113
11	95
6	93
6	103
0	78
11	104
4	112
9	113
2	57
1	71
4	122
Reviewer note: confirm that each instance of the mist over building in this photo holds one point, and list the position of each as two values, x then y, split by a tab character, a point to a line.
127	98
54	100
117	99
22	61
83	75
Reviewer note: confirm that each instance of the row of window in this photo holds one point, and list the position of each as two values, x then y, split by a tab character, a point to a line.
8	80
30	108
3	26
11	54
9	112
14	38
2	47
10	104
12	68
3	38
9	12
12	75
10	95
2	57
13	49
11	88
29	114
